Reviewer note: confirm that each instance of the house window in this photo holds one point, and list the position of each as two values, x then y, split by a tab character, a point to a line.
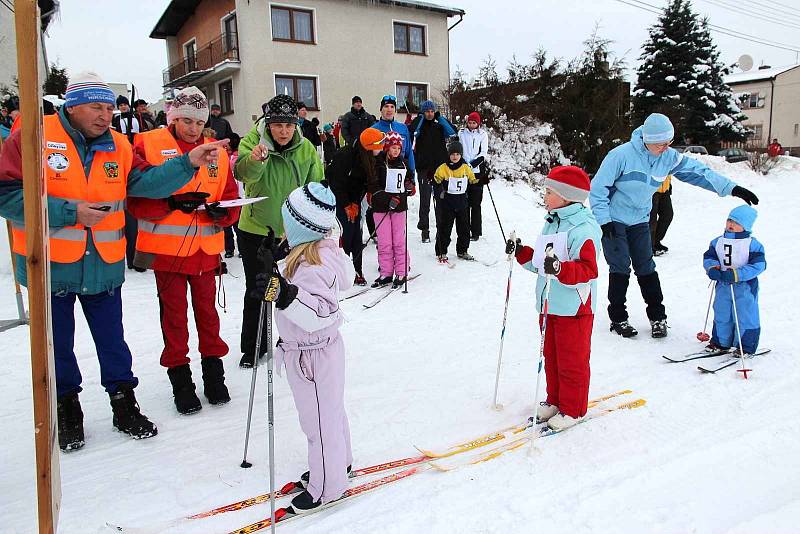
796	128
292	24
301	88
226	97
190	52
409	38
758	130
230	31
411	93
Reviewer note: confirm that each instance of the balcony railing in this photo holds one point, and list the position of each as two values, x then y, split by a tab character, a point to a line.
223	48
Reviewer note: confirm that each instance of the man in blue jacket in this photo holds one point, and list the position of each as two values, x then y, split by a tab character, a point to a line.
621	197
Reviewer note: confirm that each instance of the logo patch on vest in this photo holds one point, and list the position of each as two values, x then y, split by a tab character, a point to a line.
213	169
56	146
58	161
111	169
169	152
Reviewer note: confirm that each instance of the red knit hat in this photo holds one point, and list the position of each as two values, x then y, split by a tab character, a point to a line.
569	182
474	116
392	139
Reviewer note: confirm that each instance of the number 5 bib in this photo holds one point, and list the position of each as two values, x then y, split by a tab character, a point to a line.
733	253
395	178
555	242
457	186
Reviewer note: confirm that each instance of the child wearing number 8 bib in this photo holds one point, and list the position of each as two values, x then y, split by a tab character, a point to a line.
452	205
565	254
736	258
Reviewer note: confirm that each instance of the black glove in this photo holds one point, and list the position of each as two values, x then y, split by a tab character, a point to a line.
608	230
745	194
513	246
393	203
436	116
215	211
273	288
266	253
477	161
187	202
552	265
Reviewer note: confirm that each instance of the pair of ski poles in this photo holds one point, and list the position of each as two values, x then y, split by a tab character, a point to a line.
703	336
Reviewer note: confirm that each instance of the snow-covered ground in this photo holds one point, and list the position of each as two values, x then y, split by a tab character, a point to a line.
708	453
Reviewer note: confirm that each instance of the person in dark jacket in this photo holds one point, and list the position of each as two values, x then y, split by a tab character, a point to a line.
125	123
309	127
430	132
452	181
220	125
356	121
329	145
143	115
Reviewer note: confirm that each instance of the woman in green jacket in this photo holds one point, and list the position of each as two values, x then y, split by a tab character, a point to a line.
274	159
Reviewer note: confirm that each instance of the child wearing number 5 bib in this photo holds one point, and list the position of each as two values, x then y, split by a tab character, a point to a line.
450	195
736	258
565	254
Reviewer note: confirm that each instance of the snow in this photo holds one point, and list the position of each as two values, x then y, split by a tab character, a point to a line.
758	74
720	450
670	78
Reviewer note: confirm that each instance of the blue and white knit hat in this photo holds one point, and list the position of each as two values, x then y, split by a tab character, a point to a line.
309	214
88	88
657	129
428	105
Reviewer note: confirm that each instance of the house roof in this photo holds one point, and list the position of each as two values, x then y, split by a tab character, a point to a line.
759	74
178	12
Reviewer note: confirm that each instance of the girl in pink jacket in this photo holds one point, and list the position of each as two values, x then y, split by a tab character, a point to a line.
307	317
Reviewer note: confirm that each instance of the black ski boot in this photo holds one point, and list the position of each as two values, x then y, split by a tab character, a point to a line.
624	329
659	328
398	282
214	381
127	417
381	282
70	423
186	400
247	361
303	503
426	236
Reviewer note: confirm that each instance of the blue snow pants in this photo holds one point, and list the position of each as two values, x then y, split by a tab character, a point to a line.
724	332
103	313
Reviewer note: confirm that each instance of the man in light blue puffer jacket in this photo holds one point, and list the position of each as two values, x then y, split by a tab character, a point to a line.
620	199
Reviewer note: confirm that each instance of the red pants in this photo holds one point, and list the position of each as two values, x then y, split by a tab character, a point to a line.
174	321
567	345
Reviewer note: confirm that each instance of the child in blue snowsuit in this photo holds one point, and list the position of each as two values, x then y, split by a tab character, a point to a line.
735	259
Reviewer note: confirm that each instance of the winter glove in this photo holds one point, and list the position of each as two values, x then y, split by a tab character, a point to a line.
352	211
513	246
215	211
393	203
187	202
745	194
715	274
728	277
608	230
275	288
552	265
410	187
475	162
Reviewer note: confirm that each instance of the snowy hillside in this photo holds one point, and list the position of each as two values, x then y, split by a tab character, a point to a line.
707	454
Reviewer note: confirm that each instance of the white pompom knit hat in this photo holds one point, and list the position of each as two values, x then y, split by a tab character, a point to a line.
189	103
309	214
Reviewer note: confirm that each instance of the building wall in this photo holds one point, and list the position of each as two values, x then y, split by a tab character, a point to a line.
204	26
8	48
786	115
756	116
353	54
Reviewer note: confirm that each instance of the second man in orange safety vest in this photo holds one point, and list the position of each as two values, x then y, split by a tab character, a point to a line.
181	239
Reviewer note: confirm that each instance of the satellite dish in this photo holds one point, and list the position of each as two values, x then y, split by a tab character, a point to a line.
745	62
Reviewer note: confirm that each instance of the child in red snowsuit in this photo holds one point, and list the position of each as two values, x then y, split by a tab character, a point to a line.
565	258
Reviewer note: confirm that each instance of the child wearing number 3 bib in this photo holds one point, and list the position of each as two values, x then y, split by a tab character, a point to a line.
451	202
566	254
736	258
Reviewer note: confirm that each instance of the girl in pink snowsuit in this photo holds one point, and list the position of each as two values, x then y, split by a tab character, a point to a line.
307	317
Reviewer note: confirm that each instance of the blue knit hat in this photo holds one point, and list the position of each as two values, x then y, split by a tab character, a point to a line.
309	214
744	215
657	129
428	105
88	88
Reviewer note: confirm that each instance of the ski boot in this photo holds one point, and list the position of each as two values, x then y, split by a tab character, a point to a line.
623	328
659	328
127	417
70	423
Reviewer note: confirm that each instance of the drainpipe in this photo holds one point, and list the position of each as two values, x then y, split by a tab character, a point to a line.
771	103
460	18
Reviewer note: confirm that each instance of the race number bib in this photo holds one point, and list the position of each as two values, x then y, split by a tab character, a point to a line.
544	243
457	186
733	253
395	178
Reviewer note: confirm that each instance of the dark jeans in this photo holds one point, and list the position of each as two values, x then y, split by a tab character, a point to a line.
632	246
352	237
475	197
131	231
425	192
660	216
248	248
444	228
103	313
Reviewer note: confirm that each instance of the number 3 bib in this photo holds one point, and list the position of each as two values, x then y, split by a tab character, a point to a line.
733	253
555	242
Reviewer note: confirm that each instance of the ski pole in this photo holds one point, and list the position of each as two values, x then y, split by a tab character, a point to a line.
245	464
271	408
703	336
405	288
743	370
371	236
545	309
495	212
496	405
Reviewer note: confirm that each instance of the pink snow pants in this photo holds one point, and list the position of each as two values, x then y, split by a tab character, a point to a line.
391	234
316	377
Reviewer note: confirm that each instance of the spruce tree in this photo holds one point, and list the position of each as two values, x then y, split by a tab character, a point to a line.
681	77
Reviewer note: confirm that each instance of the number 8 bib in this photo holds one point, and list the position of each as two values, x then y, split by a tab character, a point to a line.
395	179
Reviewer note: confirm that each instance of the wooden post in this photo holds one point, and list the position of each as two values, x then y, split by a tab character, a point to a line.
48	484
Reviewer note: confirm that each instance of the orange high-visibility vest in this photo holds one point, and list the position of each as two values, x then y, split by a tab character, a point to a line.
17	124
106	184
183	234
